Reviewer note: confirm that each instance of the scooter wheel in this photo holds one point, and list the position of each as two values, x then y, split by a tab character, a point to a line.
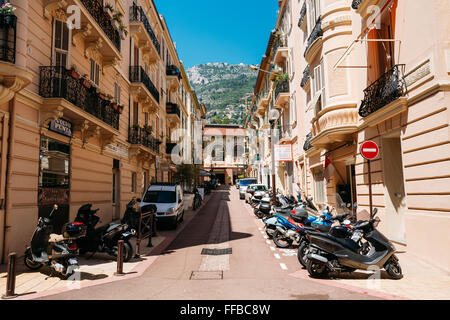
280	241
29	263
394	270
317	269
127	251
301	254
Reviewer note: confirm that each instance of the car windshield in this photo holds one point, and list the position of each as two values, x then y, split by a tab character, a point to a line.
246	183
160	197
259	188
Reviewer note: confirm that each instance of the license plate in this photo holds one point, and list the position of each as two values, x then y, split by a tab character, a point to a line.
126	234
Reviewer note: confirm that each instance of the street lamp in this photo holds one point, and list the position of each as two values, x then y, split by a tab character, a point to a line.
273	116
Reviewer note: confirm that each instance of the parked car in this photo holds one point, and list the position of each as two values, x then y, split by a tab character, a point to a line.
243	184
168	199
251	190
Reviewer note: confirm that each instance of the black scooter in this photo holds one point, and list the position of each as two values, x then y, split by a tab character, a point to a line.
329	253
57	251
103	239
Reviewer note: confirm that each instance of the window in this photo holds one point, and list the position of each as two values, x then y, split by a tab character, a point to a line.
117	92
95	72
133	182
313	14
160	197
319	194
61	44
144	181
317	80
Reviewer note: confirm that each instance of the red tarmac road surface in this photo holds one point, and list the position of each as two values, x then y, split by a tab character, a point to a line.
253	271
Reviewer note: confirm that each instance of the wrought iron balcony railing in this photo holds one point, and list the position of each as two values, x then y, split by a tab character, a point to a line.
169	147
282	87
8	38
141	136
306	75
55	82
172	108
138	14
172	70
138	74
308	144
356	4
302	14
315	34
386	89
96	9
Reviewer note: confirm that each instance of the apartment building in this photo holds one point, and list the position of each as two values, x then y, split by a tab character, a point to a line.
85	110
371	70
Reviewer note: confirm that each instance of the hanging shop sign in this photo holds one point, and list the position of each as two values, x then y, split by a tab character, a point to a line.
61	126
284	152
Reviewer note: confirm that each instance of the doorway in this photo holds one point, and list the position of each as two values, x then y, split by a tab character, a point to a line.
116	189
394	187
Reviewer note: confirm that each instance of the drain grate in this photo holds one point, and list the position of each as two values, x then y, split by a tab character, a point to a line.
216	252
206	275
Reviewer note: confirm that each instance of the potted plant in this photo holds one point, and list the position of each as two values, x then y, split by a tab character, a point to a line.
120	108
109	10
123	32
148	128
136	126
117	20
73	72
101	95
85	81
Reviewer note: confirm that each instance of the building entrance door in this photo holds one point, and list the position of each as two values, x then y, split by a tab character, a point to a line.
394	188
54	180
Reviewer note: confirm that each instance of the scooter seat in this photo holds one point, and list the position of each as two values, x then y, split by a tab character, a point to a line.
345	242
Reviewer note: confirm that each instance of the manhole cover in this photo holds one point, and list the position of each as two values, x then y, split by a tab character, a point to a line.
206	275
216	252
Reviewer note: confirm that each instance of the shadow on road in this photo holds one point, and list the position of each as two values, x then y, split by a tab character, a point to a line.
198	231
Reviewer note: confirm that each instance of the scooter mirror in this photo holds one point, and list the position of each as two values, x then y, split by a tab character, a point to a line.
55	207
374	212
138	200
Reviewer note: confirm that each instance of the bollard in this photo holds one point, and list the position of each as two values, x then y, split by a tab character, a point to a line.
119	259
11	280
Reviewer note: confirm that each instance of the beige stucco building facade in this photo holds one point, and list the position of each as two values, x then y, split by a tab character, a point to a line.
372	70
86	113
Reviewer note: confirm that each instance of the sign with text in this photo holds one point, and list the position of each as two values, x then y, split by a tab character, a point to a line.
284	152
61	126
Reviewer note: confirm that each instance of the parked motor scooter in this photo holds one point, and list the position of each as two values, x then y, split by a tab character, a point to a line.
328	253
104	239
53	250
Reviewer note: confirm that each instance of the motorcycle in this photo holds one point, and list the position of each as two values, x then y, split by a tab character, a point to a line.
329	253
103	239
53	250
197	199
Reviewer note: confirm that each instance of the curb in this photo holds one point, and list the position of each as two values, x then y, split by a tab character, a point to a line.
137	271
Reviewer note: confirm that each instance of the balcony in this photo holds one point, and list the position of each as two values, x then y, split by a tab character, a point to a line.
306	77
143	89
12	78
334	124
385	90
173	114
282	94
142	137
281	51
302	16
173	76
96	28
314	43
140	28
307	145
84	105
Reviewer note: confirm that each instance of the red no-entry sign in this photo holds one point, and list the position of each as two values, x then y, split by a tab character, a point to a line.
369	150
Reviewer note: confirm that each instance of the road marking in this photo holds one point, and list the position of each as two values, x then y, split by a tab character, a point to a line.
260	229
272	248
268	242
283	266
277	256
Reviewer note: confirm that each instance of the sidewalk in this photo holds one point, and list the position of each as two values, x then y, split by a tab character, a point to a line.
421	281
94	271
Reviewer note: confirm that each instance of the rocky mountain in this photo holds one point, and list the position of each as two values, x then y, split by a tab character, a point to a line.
221	87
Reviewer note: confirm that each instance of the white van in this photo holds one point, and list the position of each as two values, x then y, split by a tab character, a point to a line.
168	199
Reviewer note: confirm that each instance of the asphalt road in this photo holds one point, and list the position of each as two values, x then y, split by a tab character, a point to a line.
254	270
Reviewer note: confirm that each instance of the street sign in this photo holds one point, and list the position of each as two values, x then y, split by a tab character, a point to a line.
369	150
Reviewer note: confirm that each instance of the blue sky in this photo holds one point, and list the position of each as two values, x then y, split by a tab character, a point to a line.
231	31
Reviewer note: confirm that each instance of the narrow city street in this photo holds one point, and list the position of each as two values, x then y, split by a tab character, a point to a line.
254	269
